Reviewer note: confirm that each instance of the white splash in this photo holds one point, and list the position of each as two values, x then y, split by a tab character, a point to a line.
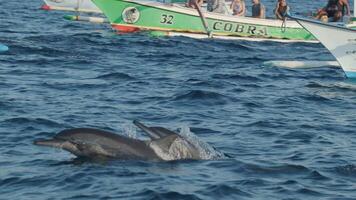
186	148
207	152
129	130
178	150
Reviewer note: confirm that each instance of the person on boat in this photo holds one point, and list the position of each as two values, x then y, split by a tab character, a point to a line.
281	9
191	3
345	7
258	9
238	7
334	11
216	6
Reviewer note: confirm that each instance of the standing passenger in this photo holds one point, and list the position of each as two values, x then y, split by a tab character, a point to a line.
282	9
258	9
345	7
238	7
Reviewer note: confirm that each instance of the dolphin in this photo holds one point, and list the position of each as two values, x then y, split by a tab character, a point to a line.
164	144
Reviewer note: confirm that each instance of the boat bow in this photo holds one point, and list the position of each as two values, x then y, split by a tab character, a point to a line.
339	40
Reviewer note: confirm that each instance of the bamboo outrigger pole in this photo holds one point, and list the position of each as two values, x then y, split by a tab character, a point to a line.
203	20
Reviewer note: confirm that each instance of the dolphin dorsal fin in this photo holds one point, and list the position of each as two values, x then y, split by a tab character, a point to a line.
154	132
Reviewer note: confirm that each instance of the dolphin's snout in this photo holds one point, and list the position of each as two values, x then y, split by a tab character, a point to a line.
49	142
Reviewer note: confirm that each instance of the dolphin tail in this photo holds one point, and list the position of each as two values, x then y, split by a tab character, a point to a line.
50	143
154	132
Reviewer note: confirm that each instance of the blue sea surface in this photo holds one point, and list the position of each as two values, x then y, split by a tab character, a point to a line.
289	133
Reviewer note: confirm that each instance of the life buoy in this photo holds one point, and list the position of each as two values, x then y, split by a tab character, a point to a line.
130	15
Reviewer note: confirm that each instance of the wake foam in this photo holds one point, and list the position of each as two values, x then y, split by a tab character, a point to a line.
300	64
177	151
130	131
207	152
182	148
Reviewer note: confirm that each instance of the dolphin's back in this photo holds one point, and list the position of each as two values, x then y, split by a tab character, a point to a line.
104	141
88	133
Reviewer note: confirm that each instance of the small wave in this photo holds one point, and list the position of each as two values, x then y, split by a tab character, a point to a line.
152	194
254	182
206	96
243	77
315	98
75	85
197	82
282	169
316	85
309	192
115	76
347	170
265	124
199	94
37	121
240	45
224	191
28	181
297	135
340	87
315	175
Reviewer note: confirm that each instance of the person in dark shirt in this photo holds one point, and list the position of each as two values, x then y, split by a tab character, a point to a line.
281	9
258	9
334	10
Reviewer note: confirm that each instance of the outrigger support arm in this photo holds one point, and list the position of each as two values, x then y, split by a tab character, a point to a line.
203	20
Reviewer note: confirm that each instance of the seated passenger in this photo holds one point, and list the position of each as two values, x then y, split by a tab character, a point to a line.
281	9
334	11
258	9
216	6
238	7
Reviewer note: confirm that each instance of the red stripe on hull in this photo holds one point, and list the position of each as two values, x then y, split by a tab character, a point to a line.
125	29
45	7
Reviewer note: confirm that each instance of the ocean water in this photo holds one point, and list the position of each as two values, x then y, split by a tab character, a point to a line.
288	133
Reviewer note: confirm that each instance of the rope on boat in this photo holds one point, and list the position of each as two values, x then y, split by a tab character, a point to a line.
77	9
284	23
203	19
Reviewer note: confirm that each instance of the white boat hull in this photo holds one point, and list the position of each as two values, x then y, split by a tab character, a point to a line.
72	5
204	36
340	41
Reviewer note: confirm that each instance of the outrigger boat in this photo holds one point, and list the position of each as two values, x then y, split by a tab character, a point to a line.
174	19
71	5
339	40
78	6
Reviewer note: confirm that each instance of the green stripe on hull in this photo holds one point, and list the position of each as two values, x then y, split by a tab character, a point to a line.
154	18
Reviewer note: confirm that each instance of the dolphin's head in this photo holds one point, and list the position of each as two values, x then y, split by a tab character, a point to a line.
57	143
63	140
